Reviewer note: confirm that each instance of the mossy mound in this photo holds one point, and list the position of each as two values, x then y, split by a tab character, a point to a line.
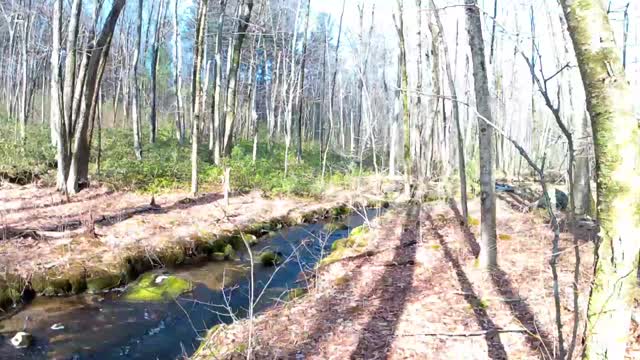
296	293
237	241
340	210
154	287
352	245
103	282
334	226
270	258
359	231
55	283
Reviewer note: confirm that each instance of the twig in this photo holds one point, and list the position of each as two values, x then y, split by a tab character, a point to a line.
468	334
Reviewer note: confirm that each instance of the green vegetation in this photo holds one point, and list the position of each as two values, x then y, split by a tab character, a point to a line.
166	164
157	287
269	258
25	165
296	293
353	245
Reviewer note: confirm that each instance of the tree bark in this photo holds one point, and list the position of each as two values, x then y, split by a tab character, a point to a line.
177	56
135	109
153	118
488	247
399	23
456	115
243	24
197	90
616	134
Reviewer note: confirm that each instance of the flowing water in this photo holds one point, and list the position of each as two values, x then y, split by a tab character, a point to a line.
107	327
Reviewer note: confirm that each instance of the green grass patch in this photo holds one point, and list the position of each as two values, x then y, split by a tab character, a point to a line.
166	165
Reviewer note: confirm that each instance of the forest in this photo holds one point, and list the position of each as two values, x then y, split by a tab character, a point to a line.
319	179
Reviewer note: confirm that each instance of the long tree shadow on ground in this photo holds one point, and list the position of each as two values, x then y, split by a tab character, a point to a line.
378	334
537	337
372	336
495	347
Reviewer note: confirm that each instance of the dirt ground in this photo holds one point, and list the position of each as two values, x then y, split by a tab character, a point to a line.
40	230
419	294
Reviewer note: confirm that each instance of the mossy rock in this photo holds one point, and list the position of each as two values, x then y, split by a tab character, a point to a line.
296	293
238	244
340	211
258	229
339	244
359	231
154	287
57	287
103	282
172	256
269	258
134	265
334	226
217	256
229	253
78	280
218	244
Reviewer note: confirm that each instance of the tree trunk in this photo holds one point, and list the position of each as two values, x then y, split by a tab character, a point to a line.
616	134
243	23
135	109
216	104
68	92
488	247
153	118
301	84
177	56
98	52
399	23
196	90
456	115
57	117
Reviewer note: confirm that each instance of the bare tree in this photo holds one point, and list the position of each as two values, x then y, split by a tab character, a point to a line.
488	245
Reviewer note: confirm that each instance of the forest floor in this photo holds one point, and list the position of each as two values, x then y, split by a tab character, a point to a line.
417	292
42	232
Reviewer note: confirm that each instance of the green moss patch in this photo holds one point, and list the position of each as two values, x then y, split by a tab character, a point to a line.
269	258
153	287
296	293
103	282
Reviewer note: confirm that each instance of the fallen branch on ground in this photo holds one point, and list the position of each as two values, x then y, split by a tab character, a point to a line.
468	334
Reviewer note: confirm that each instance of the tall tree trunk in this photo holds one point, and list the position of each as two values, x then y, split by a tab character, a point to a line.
301	83
135	99
399	23
616	134
456	115
177	56
197	90
488	246
333	89
98	52
24	106
57	117
216	104
68	92
243	24
153	118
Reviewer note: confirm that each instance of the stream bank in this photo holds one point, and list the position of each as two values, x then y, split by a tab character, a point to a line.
106	326
102	240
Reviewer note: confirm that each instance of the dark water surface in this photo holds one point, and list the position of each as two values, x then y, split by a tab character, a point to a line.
106	327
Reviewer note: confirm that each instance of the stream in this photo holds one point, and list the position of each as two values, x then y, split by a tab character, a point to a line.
107	327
